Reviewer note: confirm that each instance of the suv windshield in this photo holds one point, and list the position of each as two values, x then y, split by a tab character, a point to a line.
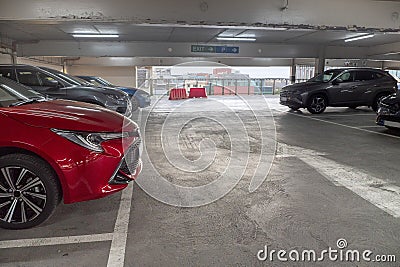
66	77
326	76
13	94
104	82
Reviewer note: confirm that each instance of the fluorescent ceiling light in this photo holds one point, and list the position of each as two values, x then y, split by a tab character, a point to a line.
95	35
391	53
392	32
359	38
236	39
242	35
274	28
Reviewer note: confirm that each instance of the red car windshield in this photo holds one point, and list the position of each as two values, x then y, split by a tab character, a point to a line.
12	93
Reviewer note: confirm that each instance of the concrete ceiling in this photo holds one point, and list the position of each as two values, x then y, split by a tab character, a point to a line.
282	28
34	31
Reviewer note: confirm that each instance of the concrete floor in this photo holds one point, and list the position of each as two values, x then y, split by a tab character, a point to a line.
334	175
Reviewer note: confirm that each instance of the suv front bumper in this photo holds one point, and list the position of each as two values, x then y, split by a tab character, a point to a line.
293	100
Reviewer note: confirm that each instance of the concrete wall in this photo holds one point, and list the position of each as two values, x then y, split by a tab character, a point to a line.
27	61
124	76
5	59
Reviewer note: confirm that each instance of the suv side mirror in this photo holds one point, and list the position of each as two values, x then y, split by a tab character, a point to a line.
337	81
51	83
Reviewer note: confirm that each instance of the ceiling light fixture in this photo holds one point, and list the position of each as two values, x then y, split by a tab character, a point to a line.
236	39
391	53
95	35
359	38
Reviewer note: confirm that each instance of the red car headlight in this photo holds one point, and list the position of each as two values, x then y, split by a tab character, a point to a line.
91	141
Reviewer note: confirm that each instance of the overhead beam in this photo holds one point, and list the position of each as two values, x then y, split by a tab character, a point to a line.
168	49
139	61
385	52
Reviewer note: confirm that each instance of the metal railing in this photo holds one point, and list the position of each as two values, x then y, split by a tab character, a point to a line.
217	86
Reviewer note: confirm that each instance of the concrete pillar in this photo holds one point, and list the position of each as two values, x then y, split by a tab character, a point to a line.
293	71
135	76
13	58
65	66
320	62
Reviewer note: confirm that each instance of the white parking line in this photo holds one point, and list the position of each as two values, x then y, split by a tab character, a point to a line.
343	115
51	241
338	124
370	126
377	191
116	257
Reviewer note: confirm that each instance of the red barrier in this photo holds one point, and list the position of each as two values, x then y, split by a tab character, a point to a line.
177	94
197	92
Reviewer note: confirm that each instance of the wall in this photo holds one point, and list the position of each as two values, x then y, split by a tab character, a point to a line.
5	59
27	61
124	76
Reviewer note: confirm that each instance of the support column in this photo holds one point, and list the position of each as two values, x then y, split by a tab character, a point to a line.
320	61
65	66
13	58
383	65
293	71
135	84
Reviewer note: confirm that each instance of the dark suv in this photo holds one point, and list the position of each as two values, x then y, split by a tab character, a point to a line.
139	97
340	88
58	87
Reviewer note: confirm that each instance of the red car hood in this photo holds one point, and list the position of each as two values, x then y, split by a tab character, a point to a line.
69	115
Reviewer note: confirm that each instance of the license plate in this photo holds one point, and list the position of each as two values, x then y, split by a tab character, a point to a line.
283	99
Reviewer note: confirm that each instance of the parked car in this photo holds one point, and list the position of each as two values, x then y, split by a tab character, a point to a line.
59	149
60	87
139	97
389	112
340	88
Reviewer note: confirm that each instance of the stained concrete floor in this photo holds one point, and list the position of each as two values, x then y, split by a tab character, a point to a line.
330	176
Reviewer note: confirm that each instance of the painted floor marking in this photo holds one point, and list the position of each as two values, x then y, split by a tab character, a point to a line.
50	241
343	115
379	192
338	124
116	257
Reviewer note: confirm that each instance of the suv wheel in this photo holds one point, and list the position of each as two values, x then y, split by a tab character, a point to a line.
29	191
317	104
377	100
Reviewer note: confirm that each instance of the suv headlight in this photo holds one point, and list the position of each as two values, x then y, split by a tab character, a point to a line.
91	141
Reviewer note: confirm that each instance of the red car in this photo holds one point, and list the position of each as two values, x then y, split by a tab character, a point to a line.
58	149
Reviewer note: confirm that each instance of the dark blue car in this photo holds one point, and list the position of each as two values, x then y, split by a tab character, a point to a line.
139	97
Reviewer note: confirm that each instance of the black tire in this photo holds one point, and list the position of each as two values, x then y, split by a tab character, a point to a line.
353	107
378	99
294	108
317	104
33	191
